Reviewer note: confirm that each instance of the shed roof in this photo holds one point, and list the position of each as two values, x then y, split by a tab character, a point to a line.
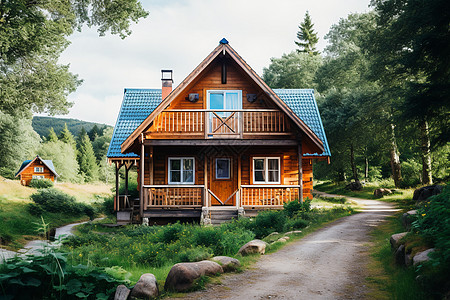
139	103
46	162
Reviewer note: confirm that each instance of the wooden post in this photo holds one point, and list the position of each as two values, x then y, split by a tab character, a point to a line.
300	172
117	186
238	197
126	180
151	165
205	175
142	175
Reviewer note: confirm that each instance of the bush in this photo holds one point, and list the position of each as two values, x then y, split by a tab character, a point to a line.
297	223
269	221
41	183
55	201
108	206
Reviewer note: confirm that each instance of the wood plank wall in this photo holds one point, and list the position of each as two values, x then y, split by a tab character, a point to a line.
27	174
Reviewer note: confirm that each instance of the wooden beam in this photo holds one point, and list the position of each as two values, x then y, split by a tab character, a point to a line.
142	175
221	142
205	183
300	172
117	165
238	200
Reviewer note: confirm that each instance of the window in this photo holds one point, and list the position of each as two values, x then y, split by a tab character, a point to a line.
266	170
222	168
181	170
226	99
38	177
39	169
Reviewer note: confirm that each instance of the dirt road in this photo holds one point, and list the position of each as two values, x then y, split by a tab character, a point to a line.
328	264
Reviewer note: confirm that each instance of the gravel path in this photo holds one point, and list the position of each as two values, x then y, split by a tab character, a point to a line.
330	263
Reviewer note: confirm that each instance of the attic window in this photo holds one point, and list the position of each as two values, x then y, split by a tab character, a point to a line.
38	169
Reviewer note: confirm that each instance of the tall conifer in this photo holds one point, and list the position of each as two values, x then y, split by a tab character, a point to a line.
307	38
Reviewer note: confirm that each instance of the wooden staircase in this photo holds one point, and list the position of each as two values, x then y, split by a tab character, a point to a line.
219	216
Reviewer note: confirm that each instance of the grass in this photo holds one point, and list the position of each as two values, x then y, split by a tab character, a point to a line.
18	226
386	279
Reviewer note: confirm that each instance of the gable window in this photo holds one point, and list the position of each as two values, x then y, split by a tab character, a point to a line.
266	170
224	99
38	177
222	168
181	170
39	169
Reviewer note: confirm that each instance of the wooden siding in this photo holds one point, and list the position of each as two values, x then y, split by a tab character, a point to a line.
27	173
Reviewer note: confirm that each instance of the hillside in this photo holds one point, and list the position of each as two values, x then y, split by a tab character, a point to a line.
43	124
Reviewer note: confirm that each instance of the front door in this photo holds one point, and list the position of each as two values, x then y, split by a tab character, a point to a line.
223	187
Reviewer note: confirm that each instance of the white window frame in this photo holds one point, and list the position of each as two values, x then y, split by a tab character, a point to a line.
224	92
266	170
229	168
38	177
181	170
38	169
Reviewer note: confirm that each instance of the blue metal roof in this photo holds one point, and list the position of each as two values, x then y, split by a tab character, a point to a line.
304	105
139	103
136	106
48	163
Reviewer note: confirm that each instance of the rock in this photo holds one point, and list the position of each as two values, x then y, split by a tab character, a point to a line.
422	257
122	293
229	264
255	246
182	276
425	192
379	193
395	240
407	218
293	232
400	255
354	186
146	287
408	259
273	233
282	240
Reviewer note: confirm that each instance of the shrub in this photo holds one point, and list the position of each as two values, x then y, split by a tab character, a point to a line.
269	221
108	206
292	208
41	183
55	201
297	223
195	254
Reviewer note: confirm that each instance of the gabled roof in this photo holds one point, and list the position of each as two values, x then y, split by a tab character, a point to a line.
139	103
136	107
47	163
224	48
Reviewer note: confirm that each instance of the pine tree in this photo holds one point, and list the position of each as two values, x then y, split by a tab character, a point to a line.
67	137
86	158
307	38
52	137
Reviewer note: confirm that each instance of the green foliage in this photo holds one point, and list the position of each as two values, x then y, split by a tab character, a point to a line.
411	173
18	143
53	200
42	124
41	183
307	38
51	137
49	276
64	159
293	70
67	137
86	158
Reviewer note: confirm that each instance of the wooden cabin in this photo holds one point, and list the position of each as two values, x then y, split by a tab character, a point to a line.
36	168
222	142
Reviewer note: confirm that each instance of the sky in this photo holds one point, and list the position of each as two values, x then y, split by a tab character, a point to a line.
178	35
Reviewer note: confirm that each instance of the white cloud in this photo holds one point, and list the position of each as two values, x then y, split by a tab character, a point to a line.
178	35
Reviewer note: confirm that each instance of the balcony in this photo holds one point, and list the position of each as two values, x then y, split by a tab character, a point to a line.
220	123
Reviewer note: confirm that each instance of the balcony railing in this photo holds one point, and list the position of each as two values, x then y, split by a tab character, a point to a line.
182	196
221	123
268	195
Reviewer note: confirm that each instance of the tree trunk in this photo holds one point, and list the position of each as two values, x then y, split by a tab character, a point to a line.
395	159
426	153
366	169
352	162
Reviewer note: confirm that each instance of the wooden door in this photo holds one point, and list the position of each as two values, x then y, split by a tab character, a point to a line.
223	181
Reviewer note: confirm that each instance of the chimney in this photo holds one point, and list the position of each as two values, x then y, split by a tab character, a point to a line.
166	78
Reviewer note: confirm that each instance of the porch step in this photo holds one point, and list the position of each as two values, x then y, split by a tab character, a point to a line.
222	216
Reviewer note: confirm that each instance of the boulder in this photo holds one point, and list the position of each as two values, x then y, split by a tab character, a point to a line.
395	240
282	240
408	259
379	193
407	218
354	186
293	232
422	257
182	276
255	246
272	234
400	255
146	287
425	192
229	264
122	293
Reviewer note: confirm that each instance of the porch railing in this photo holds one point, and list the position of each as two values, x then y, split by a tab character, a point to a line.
158	196
268	195
221	122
